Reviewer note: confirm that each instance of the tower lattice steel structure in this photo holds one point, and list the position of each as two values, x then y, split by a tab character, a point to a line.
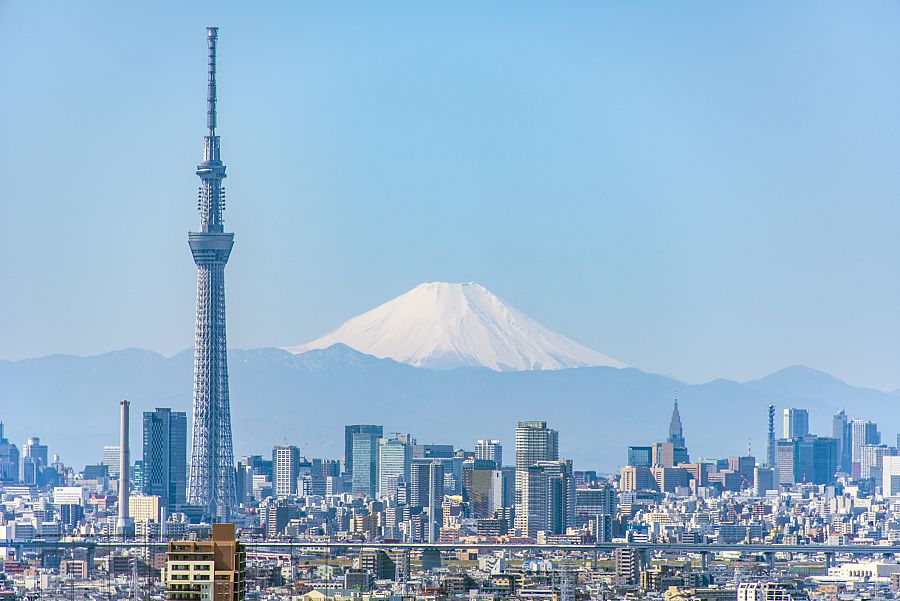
211	479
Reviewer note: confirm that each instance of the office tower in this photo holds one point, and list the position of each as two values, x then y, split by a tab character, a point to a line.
890	476
763	480
825	459
676	434
811	459
209	570
862	432
34	461
285	470
433	451
771	460
9	460
137	475
111	460
794	461
419	483
365	463
596	507
435	501
666	454
534	442
478	480
165	456
349	431
211	477
548	498
640	456
124	526
871	458
796	423
840	431
744	466
491	450
394	461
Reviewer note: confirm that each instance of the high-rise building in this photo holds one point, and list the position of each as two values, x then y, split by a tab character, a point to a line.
771	458
435	507
349	431
640	456
34	461
841	432
394	460
490	450
744	466
796	423
478	481
862	432
211	478
763	480
285	470
534	442
165	456
597	504
811	459
111	459
548	498
212	570
9	460
890	476
365	463
676	433
871	458
137	475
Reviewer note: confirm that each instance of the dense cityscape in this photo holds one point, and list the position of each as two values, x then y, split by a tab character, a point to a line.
533	527
399	517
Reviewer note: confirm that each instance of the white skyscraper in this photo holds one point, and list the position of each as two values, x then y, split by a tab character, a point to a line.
490	450
535	442
796	423
285	470
394	459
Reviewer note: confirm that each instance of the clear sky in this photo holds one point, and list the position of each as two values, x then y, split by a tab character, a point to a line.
702	189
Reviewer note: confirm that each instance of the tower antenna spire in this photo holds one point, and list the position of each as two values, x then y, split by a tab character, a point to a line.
212	34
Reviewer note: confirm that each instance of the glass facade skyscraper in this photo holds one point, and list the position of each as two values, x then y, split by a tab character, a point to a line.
165	456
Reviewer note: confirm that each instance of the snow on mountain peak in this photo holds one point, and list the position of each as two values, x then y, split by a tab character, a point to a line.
443	326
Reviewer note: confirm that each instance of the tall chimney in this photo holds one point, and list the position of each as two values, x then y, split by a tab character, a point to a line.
124	525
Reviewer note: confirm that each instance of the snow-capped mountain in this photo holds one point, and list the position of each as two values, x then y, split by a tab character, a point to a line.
444	326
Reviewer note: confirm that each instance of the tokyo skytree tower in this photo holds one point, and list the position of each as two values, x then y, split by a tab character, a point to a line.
211	478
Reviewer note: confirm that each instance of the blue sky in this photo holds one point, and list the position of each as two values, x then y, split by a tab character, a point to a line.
703	189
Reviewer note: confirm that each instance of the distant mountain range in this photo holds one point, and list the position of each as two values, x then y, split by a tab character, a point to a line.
306	399
445	326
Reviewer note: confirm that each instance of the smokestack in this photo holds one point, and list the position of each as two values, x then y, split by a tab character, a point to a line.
124	525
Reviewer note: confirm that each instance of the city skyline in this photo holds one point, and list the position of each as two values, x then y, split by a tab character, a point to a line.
689	188
725	279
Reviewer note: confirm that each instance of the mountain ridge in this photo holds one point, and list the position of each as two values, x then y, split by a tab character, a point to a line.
308	398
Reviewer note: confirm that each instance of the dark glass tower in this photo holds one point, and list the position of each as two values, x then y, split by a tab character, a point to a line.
211	478
165	456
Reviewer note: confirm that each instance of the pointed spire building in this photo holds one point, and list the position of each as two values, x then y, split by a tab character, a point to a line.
676	434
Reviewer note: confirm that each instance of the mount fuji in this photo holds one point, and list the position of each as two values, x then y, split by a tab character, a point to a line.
445	326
